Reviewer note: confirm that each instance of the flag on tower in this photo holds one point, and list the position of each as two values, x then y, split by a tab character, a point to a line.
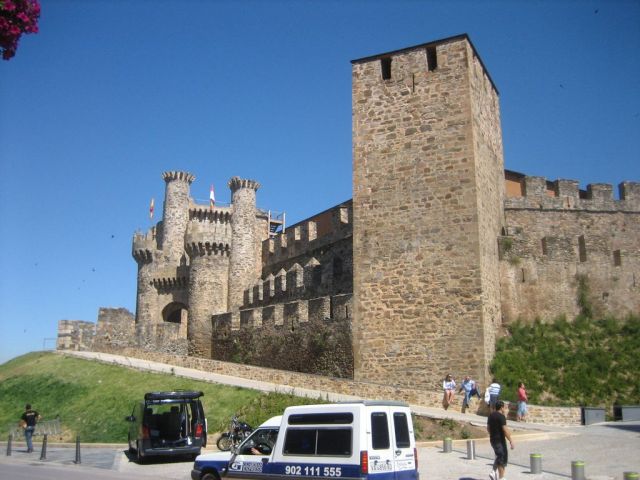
212	198
151	208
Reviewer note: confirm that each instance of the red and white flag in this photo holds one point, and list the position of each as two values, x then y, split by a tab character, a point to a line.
151	206
212	198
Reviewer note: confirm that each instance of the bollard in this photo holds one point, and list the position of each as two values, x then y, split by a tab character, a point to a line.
446	445
43	453
577	470
78	460
471	450
536	462
9	445
630	475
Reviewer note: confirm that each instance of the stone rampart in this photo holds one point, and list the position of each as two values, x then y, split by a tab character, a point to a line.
75	335
116	327
550	242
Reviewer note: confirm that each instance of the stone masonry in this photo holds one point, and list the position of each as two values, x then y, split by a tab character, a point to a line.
413	278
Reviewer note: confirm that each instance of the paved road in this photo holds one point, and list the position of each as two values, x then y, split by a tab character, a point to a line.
608	450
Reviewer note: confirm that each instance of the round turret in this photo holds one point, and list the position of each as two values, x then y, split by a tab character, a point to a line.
175	214
244	259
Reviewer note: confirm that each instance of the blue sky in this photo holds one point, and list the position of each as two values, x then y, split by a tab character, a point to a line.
112	93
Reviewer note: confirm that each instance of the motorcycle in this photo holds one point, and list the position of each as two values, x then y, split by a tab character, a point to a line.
238	431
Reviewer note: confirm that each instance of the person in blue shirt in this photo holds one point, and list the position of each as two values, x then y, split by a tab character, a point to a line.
470	389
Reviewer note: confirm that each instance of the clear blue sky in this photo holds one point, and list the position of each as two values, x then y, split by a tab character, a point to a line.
112	93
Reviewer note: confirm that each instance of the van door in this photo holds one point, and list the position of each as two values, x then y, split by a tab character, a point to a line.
381	451
404	462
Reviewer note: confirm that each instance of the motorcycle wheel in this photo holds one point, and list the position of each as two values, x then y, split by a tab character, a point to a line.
224	442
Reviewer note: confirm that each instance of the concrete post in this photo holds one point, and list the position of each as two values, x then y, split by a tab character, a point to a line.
43	453
9	445
536	462
471	449
446	445
577	470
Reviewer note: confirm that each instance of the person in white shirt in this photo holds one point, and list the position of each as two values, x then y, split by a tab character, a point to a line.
494	394
449	387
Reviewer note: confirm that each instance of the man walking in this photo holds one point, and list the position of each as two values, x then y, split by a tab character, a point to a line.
498	436
28	422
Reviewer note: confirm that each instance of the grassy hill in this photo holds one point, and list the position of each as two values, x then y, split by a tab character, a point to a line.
590	362
92	398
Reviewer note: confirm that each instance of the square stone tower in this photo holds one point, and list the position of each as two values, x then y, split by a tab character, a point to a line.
428	188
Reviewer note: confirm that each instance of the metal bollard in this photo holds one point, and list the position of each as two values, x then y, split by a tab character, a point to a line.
471	449
446	445
43	453
536	462
9	445
577	470
78	460
630	475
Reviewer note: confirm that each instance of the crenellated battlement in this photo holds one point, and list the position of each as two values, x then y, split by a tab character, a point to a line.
237	183
533	192
286	314
205	248
204	213
144	245
177	175
171	278
321	230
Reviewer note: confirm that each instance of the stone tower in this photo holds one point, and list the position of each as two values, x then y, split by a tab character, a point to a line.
428	188
175	215
244	260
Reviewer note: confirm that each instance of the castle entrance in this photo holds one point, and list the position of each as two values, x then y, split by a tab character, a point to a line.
175	312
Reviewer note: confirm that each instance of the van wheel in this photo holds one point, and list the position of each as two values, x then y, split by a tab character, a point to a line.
209	476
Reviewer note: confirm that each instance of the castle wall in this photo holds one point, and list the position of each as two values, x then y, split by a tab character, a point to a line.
490	192
312	336
116	327
418	266
552	241
75	335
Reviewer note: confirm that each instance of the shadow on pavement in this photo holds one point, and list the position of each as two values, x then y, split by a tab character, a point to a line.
158	460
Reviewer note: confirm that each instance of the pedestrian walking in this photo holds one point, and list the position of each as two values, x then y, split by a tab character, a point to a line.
498	436
522	402
494	394
28	422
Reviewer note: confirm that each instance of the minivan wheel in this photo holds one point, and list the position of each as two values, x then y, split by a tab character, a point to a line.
208	476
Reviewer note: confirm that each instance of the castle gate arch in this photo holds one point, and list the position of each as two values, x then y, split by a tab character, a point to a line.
175	312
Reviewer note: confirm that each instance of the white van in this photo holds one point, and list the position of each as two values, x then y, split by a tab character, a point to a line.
355	440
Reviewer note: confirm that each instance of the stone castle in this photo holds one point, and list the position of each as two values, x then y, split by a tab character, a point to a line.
414	277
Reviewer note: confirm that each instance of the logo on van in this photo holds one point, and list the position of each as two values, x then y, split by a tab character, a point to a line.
379	466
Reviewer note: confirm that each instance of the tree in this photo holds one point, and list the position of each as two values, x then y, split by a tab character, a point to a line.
16	17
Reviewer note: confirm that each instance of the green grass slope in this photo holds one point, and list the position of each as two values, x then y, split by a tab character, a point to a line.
586	362
92	398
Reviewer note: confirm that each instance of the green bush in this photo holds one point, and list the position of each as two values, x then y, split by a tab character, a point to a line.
584	362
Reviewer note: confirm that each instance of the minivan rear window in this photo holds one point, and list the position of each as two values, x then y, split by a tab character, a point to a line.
333	418
379	431
318	442
401	427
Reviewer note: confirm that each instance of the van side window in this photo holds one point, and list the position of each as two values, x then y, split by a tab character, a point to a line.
401	427
321	418
318	441
379	431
